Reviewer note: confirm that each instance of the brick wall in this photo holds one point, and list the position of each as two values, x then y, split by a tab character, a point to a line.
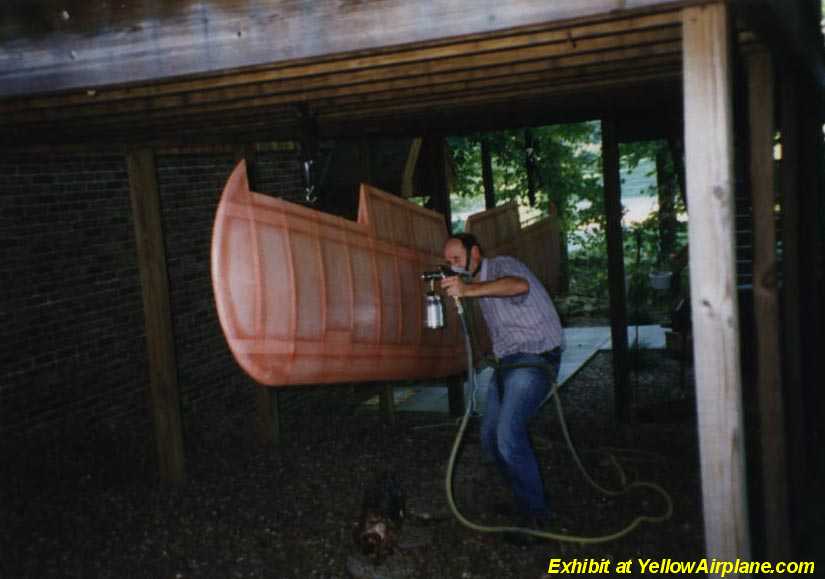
209	380
279	172
72	344
71	317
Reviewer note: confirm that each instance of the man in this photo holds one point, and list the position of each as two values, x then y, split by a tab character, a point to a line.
526	335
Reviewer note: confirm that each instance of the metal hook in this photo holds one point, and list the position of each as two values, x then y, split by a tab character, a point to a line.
309	188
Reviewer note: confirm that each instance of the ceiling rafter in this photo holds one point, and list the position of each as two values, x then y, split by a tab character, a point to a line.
541	61
551	33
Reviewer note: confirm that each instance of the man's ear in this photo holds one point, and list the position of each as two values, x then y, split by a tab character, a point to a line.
475	253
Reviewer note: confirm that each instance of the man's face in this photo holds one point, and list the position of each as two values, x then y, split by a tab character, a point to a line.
456	255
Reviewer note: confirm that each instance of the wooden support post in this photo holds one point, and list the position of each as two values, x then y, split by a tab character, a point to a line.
709	169
436	178
365	169
811	243
766	305
811	227
615	271
791	254
793	312
160	340
386	401
408	178
455	395
487	174
267	416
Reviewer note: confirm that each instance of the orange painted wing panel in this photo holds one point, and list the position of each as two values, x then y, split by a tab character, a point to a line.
540	249
305	297
538	245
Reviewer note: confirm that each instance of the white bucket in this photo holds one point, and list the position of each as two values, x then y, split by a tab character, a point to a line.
660	280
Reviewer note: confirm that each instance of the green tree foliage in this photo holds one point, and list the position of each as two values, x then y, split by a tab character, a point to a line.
568	173
567	161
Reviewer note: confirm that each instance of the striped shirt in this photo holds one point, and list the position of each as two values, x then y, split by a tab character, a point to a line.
526	323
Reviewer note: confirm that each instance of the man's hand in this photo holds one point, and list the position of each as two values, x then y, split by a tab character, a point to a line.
454	286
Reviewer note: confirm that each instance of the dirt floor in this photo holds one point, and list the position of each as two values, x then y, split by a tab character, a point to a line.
245	511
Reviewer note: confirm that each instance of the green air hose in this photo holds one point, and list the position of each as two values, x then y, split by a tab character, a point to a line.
536	533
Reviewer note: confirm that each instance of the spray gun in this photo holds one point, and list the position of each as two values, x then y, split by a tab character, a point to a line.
433	304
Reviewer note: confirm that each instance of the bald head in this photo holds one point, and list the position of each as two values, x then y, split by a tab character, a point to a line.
455	252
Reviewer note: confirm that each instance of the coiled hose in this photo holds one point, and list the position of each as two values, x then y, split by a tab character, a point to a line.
534	532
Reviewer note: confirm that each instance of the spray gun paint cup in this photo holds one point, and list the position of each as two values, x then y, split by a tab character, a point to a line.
433	311
433	304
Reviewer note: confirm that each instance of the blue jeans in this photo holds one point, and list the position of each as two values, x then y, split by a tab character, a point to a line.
512	400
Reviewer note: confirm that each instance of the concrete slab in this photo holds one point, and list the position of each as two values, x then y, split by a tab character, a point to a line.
581	344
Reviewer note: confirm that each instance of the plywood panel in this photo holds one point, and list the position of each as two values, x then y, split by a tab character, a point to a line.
538	245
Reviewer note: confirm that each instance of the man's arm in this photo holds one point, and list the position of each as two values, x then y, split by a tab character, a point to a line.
502	287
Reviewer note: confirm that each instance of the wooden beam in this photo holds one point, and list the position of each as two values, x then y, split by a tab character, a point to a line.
244	118
793	313
541	59
140	45
709	168
242	121
766	305
459	101
160	340
462	114
244	103
656	97
240	127
408	73
623	397
543	76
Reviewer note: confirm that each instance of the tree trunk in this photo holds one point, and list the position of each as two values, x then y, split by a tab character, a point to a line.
487	174
530	165
665	185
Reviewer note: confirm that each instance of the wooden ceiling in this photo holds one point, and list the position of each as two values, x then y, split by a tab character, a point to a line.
628	62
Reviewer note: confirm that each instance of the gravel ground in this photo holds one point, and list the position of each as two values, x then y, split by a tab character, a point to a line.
92	510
